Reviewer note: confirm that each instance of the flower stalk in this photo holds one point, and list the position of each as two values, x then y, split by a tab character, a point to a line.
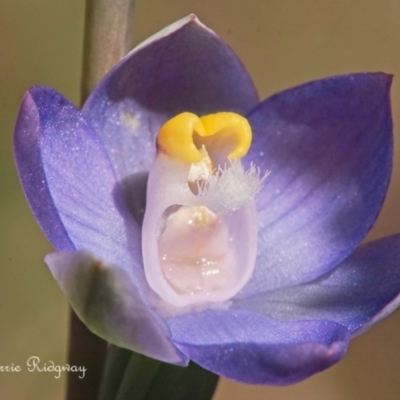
107	38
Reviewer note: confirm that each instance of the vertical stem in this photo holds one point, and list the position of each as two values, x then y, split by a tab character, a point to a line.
88	350
107	38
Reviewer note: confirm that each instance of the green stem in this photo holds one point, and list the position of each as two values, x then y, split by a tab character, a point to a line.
88	350
107	38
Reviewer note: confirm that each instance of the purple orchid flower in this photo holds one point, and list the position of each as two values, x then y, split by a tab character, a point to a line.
327	146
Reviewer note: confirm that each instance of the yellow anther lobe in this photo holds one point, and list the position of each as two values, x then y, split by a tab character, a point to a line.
176	135
234	125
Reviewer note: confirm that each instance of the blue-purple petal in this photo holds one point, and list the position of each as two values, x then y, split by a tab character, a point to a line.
361	291
328	147
252	349
32	175
105	299
69	181
185	67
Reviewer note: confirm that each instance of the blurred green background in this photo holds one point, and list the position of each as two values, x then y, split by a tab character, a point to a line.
282	43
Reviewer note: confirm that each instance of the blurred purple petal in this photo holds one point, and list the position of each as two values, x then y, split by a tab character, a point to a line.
185	67
359	292
70	183
252	349
328	145
105	299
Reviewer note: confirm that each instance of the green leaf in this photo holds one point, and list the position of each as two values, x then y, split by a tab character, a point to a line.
132	376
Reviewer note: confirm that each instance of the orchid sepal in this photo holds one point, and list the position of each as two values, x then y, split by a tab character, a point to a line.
106	300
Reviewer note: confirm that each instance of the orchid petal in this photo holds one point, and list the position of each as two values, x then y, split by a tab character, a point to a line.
361	291
185	67
252	349
105	299
328	147
32	175
70	183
